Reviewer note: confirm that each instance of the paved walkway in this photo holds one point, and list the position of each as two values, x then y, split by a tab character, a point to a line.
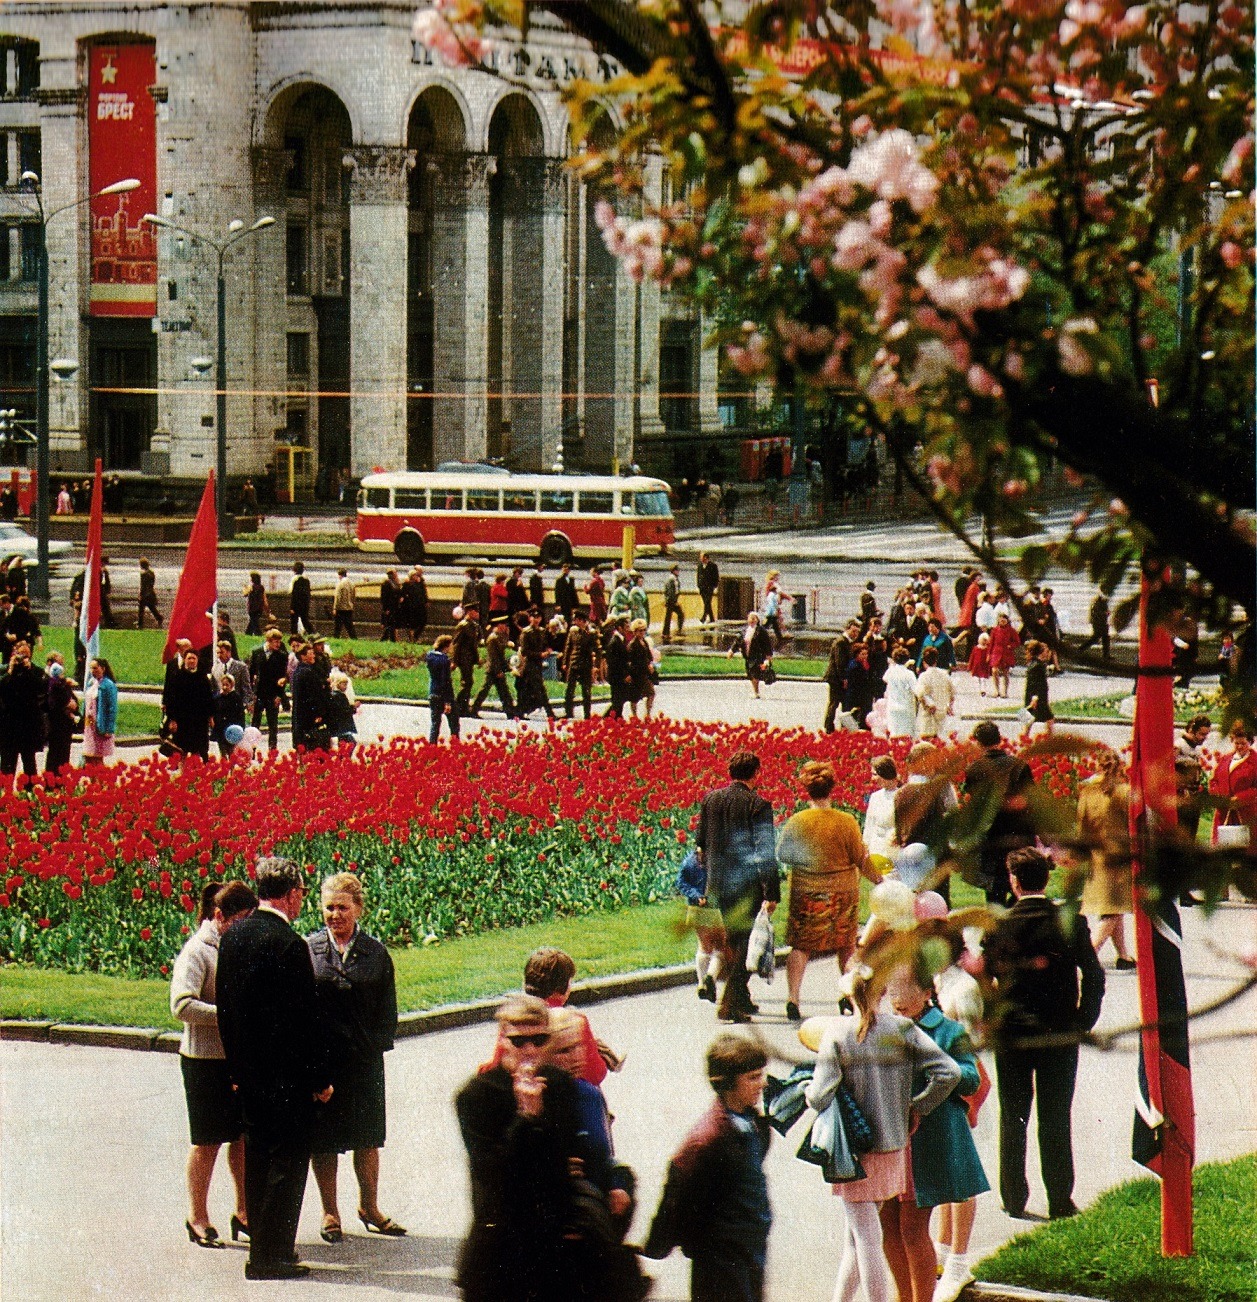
93	1143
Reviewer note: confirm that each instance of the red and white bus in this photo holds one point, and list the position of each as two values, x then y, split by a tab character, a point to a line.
487	511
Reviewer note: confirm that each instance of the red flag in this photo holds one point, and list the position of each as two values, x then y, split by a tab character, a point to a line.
193	613
1165	1123
89	614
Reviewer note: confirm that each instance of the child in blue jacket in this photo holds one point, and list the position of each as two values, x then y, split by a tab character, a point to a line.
707	921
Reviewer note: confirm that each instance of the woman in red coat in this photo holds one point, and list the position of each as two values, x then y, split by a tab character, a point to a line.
1004	644
1236	779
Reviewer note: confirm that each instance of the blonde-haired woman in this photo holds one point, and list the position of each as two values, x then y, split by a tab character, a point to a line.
877	1056
826	852
353	976
1104	829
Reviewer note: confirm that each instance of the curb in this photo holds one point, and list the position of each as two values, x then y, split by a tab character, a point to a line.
425	1022
1013	1293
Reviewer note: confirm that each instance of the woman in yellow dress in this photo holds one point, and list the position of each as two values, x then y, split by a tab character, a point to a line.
1103	828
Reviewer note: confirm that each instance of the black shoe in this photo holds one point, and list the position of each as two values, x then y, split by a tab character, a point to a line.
209	1239
736	1016
792	1012
707	989
239	1230
751	1008
1062	1213
1126	965
276	1270
331	1231
1018	1213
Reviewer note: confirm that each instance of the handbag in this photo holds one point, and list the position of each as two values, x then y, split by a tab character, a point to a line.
761	955
769	674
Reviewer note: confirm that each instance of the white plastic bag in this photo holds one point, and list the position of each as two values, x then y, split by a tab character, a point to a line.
761	955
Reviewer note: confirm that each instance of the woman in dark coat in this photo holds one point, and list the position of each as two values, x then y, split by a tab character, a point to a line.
392	596
22	718
415	604
62	708
190	707
756	649
357	996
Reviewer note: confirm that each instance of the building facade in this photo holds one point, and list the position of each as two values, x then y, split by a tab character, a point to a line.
434	286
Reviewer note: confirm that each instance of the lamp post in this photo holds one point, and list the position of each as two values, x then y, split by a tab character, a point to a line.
30	184
236	231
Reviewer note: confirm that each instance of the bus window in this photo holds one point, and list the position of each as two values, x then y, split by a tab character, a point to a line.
410	499
653	503
557	501
519	500
446	499
376	499
483	499
596	503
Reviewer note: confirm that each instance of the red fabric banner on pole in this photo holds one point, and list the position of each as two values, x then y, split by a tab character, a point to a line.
1164	1137
122	143
193	613
89	614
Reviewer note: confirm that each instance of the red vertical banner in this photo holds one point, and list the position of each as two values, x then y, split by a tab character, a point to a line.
122	143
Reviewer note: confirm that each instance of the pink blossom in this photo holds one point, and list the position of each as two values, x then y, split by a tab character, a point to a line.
1075	357
1015	366
891	168
854	245
457	45
983	383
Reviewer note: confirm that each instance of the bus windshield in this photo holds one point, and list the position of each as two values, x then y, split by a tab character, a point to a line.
653	503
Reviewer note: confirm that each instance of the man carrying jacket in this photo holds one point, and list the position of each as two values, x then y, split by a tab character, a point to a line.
580	654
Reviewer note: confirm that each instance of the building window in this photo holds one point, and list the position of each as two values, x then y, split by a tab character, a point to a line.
297	180
29	154
19	68
297	427
298	282
30	250
678	372
298	355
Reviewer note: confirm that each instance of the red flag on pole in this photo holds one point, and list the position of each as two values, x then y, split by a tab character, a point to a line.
193	613
89	613
1164	1137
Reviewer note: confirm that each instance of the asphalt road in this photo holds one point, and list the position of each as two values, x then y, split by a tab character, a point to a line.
93	1142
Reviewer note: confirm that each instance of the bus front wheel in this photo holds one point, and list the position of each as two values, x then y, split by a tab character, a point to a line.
409	547
556	551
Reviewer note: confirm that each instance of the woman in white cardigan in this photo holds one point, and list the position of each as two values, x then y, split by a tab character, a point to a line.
876	1055
213	1107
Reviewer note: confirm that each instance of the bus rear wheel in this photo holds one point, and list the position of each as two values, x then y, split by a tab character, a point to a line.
555	551
409	547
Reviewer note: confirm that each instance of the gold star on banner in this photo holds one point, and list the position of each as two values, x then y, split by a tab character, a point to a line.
108	74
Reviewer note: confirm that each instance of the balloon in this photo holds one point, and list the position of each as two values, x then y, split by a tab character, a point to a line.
882	863
810	1032
913	865
457	613
892	902
929	904
233	735
252	738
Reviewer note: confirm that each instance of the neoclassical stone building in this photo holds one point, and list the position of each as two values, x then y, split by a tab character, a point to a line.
433	286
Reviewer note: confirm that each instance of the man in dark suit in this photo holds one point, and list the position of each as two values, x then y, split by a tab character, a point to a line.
278	1061
1002	784
299	600
537	589
1049	983
707	580
736	847
565	596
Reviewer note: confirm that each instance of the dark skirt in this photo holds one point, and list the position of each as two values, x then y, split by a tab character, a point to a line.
353	1117
214	1112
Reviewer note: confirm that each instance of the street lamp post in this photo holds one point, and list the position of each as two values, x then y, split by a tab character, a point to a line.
30	183
236	231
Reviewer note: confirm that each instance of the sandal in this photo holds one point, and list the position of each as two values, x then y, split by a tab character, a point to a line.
385	1225
331	1231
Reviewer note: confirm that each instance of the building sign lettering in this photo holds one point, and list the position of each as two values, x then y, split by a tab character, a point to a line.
535	65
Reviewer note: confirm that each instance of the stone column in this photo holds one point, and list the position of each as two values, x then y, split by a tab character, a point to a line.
268	275
553	253
69	241
377	295
460	256
708	382
649	422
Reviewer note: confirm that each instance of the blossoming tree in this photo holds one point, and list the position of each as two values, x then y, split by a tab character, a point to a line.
1007	231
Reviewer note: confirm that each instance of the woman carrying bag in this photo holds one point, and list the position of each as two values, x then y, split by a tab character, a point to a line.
877	1056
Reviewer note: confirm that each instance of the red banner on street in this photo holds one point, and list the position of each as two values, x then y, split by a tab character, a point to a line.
122	143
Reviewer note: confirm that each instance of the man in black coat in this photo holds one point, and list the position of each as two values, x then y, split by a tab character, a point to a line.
23	717
310	694
736	846
268	669
299	600
615	653
707	580
836	670
190	707
537	589
1002	784
565	596
1049	982
267	1016
580	652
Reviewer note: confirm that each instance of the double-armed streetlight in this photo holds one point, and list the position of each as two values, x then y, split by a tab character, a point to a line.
64	367
236	231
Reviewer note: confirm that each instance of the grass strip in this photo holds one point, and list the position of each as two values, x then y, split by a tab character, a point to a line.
1113	1249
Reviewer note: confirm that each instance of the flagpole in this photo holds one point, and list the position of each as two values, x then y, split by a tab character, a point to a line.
1164	1131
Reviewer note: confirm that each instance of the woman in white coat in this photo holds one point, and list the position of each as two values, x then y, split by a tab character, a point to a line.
877	1055
879	817
901	699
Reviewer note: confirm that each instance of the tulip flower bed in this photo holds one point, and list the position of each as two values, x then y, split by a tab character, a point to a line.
104	871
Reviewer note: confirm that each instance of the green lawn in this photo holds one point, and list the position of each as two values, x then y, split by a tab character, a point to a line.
135	656
1113	1249
471	967
138	719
